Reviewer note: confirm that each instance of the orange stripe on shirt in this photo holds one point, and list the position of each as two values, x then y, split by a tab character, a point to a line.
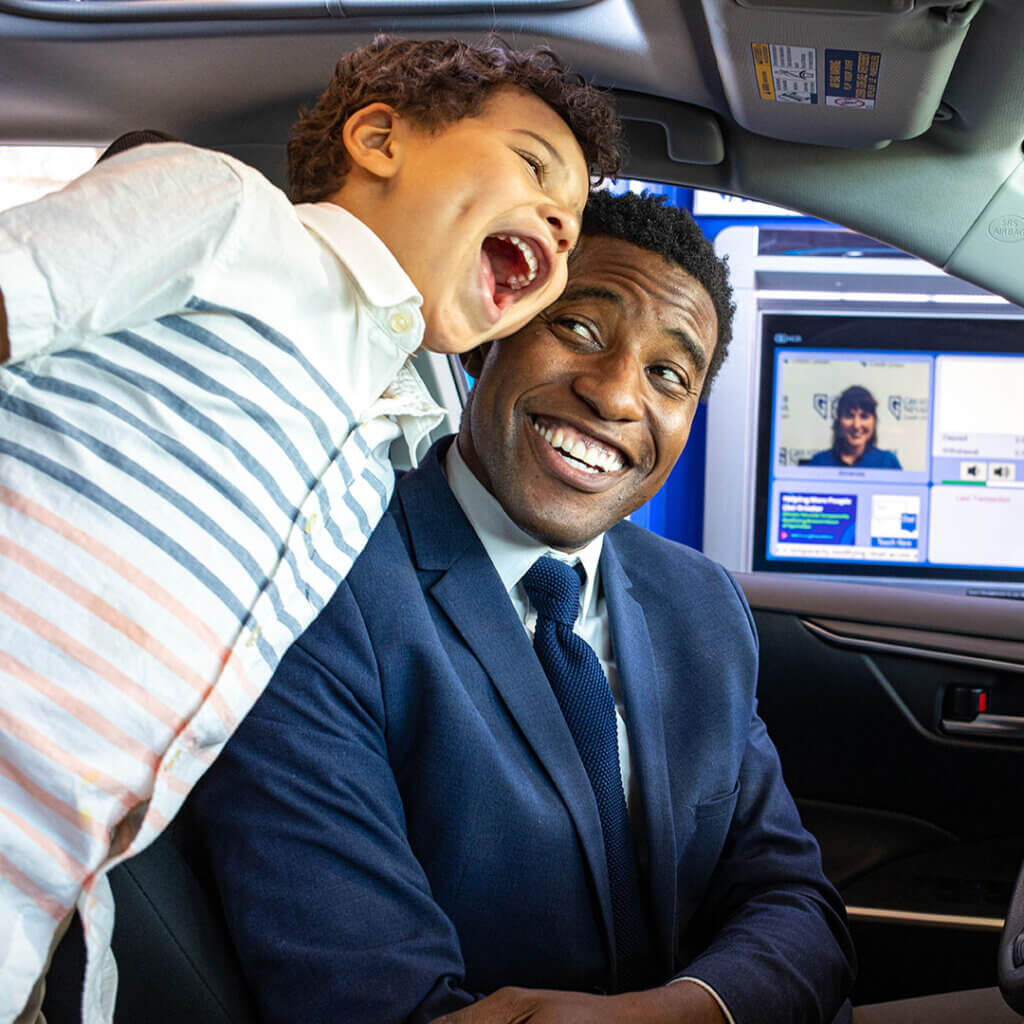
131	573
154	820
86	714
60	807
49	748
42	899
107	613
175	784
92	661
69	864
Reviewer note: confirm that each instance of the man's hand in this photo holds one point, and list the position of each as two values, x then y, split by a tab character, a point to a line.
679	1003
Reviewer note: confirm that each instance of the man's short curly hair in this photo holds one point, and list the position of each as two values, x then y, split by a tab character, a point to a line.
649	222
435	83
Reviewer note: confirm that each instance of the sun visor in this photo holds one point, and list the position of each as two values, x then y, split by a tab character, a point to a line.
993	250
836	72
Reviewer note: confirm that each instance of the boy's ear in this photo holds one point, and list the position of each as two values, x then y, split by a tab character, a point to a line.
473	360
369	138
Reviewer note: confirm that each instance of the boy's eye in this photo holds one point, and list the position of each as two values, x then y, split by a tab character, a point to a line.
535	164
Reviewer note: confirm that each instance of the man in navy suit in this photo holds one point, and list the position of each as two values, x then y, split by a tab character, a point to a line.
403	828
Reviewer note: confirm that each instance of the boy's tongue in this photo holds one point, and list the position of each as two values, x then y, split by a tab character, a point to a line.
506	261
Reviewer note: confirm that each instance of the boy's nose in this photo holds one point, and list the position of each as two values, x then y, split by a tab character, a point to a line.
565	226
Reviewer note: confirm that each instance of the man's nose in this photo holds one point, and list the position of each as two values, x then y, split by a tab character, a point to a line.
564	224
612	385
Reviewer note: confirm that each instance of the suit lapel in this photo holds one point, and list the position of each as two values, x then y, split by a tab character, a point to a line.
634	656
467	588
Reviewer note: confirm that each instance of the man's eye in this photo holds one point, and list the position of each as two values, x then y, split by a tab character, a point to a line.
672	376
570	323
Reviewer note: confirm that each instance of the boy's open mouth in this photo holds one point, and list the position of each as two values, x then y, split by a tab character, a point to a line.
518	265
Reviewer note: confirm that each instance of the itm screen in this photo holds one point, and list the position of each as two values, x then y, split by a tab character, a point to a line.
891	446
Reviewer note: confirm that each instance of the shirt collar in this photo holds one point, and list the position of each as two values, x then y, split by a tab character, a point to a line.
408	401
371	263
510	549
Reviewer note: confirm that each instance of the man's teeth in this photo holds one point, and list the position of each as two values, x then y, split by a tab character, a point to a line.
594	459
518	281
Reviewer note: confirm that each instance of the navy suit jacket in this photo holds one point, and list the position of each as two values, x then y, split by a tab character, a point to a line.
403	822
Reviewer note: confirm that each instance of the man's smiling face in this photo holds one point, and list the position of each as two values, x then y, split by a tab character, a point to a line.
578	419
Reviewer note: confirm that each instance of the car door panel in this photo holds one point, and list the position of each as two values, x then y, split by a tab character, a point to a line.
871	694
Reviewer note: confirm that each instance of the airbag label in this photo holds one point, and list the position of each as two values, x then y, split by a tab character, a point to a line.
851	78
786	74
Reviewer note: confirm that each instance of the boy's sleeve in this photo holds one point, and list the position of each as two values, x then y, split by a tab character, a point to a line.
121	245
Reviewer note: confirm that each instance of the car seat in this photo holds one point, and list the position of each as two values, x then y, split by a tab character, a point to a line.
175	958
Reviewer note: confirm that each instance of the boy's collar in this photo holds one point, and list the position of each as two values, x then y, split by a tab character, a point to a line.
378	274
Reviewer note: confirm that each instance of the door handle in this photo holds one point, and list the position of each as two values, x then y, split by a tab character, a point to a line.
1001	727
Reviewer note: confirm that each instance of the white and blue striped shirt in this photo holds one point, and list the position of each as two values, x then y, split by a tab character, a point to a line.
194	429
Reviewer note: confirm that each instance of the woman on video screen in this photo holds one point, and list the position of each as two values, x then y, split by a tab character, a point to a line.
855	435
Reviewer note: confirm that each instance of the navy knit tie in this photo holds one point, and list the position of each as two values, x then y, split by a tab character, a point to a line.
586	701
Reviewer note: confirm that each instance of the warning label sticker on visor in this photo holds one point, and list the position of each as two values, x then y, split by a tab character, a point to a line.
789	74
786	74
851	78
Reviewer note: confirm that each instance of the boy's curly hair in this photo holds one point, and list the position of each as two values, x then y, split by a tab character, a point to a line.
649	222
435	83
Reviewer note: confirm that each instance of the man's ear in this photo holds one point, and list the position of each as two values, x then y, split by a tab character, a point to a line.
473	360
369	138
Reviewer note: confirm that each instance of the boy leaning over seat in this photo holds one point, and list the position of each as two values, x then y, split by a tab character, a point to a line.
202	382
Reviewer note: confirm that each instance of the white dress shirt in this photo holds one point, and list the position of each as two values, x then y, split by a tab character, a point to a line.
513	552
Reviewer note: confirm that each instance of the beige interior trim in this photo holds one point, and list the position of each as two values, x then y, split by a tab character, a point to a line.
916	917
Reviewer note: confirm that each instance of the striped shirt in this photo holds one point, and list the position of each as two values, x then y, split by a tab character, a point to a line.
194	429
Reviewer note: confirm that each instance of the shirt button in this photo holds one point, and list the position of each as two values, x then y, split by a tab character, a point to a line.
401	322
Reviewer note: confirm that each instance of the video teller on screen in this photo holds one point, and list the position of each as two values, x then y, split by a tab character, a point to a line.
855	434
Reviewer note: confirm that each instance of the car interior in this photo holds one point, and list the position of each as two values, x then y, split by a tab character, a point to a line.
891	682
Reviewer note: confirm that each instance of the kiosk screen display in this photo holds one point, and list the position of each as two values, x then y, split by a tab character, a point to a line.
891	446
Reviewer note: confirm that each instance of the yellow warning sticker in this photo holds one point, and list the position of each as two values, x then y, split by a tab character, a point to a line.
763	70
785	73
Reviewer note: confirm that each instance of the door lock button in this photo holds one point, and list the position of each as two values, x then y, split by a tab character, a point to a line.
965	703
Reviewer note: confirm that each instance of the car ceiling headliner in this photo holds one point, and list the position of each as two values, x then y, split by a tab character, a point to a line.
237	85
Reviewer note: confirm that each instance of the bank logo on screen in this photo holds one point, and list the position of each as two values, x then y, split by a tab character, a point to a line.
896	406
821	404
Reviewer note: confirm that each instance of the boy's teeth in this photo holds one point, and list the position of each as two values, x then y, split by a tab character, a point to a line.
519	281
